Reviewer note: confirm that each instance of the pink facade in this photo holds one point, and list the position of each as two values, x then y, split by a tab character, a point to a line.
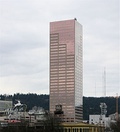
66	68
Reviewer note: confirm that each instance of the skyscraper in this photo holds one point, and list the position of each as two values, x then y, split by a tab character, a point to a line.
66	79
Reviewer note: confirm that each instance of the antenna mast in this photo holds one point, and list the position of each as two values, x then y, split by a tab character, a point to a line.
104	82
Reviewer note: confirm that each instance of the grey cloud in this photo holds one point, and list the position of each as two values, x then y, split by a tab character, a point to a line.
28	62
24	42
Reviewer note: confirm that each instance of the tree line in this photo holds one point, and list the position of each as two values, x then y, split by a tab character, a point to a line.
91	105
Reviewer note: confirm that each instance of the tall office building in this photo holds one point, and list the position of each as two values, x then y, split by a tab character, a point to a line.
66	79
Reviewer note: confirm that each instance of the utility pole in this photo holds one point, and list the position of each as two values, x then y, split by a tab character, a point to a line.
117	107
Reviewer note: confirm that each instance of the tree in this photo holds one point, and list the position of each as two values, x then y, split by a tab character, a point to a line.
52	123
116	126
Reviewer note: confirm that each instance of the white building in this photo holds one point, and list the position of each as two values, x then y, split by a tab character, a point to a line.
100	120
4	105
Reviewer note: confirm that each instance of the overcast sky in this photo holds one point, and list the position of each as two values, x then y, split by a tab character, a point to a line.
24	44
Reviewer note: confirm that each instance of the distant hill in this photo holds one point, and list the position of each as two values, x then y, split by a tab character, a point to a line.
91	105
29	99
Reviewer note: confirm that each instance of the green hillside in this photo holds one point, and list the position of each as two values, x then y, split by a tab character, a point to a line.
91	105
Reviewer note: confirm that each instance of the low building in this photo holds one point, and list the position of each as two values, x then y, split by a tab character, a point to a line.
80	127
99	120
4	106
114	116
37	114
